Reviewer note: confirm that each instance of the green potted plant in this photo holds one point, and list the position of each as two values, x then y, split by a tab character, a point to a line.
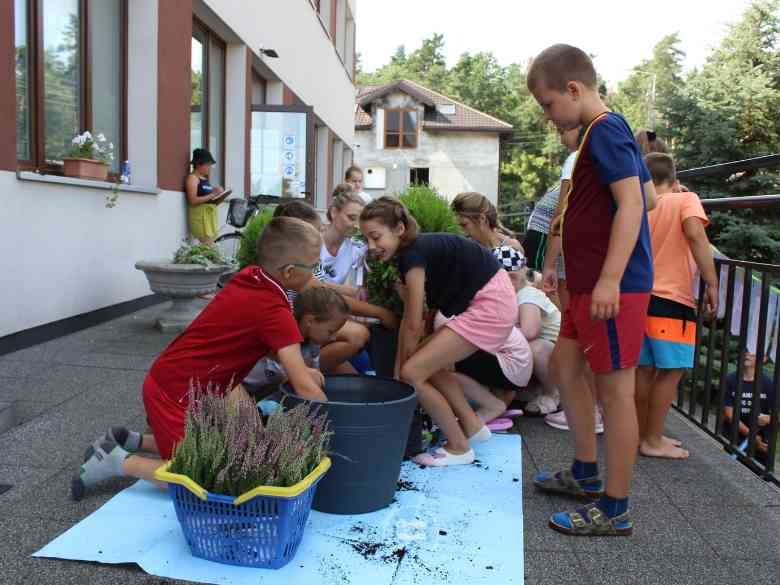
89	157
193	272
243	489
433	214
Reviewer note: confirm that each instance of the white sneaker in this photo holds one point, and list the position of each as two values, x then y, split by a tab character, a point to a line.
557	420
541	405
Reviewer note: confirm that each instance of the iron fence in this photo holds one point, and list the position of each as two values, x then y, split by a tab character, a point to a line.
716	396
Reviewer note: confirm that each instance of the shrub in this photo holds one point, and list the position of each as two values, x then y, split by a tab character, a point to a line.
227	450
193	253
433	214
247	251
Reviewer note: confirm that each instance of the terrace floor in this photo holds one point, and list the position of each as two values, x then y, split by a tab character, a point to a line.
707	520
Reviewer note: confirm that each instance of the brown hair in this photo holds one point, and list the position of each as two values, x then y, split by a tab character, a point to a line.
558	65
390	212
474	205
321	302
299	209
649	142
342	196
350	170
282	239
661	167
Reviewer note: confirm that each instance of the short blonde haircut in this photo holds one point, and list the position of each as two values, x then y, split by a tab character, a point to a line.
282	241
559	64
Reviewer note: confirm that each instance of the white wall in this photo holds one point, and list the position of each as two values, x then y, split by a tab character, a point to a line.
292	28
73	255
458	162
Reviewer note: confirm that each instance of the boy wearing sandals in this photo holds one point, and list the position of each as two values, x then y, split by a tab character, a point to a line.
609	265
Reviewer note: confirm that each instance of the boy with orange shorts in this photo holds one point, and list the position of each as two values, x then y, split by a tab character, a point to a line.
680	246
609	272
249	319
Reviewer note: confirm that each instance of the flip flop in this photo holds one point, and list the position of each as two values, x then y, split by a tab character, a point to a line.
499	424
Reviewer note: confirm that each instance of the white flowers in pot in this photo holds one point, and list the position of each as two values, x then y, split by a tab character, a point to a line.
92	147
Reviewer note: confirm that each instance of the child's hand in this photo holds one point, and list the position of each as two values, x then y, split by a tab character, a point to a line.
605	299
389	319
550	280
317	376
711	301
763	420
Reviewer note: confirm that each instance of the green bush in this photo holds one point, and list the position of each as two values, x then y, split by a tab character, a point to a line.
247	252
194	253
433	214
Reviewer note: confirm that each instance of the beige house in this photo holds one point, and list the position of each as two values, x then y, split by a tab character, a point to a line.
406	133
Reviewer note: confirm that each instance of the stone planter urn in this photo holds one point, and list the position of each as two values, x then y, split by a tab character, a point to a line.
182	283
85	168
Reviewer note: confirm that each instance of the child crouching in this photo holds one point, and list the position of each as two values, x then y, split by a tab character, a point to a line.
249	319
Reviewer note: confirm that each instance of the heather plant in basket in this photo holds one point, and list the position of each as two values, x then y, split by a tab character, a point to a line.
228	450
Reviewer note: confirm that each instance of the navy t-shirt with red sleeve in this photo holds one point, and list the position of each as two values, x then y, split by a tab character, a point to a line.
607	155
248	319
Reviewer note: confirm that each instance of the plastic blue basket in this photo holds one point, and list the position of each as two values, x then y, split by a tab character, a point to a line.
262	532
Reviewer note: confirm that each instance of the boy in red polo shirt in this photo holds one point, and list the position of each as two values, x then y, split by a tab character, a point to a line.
609	273
249	319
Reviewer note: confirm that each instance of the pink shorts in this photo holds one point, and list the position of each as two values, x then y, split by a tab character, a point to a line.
489	318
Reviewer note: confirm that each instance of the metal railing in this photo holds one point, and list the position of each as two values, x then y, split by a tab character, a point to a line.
715	396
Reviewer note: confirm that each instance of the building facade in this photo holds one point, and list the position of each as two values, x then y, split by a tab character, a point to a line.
266	85
406	133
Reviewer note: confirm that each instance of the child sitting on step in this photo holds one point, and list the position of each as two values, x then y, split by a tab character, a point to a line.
462	280
249	319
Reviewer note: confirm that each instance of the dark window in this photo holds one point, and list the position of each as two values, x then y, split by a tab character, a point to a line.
400	128
70	77
419	176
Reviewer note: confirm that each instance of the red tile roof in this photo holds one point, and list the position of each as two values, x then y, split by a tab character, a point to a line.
465	118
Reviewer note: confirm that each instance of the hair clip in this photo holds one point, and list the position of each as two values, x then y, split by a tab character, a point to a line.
651	136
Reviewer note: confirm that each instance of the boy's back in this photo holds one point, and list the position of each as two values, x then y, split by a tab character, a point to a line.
248	319
674	266
608	154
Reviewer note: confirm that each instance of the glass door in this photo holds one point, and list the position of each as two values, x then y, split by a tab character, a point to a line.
282	151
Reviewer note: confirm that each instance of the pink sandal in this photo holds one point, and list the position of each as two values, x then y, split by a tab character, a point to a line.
499	424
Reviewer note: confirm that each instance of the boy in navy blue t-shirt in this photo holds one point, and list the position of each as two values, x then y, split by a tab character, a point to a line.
609	275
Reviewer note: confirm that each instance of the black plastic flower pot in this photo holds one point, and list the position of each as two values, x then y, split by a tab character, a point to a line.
370	417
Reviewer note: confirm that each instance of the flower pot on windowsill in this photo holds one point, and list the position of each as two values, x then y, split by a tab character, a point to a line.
85	168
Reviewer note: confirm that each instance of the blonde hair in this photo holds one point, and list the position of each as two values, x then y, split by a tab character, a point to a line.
342	196
321	302
559	64
661	167
282	240
474	205
390	212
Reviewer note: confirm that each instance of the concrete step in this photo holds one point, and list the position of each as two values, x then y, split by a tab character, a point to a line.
7	416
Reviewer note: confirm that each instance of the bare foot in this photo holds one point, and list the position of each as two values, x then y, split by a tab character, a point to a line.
670	441
664	451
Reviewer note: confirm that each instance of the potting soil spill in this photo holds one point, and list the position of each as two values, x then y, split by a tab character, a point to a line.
458	525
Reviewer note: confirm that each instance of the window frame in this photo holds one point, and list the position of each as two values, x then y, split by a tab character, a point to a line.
401	133
35	86
205	107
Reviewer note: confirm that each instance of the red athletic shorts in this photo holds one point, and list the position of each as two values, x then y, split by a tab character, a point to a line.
166	417
611	344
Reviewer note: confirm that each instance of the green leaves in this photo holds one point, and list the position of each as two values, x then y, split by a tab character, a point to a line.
227	450
247	252
194	253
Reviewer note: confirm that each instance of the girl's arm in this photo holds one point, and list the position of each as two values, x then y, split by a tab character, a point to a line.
412	324
303	381
530	321
361	308
191	188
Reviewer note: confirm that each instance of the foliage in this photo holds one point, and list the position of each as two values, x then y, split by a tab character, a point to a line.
95	147
227	450
724	111
433	214
247	251
195	253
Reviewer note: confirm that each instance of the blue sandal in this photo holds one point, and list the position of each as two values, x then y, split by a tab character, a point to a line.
563	482
590	520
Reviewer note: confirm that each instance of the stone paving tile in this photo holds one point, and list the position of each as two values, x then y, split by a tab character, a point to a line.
537	535
648	568
554	568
